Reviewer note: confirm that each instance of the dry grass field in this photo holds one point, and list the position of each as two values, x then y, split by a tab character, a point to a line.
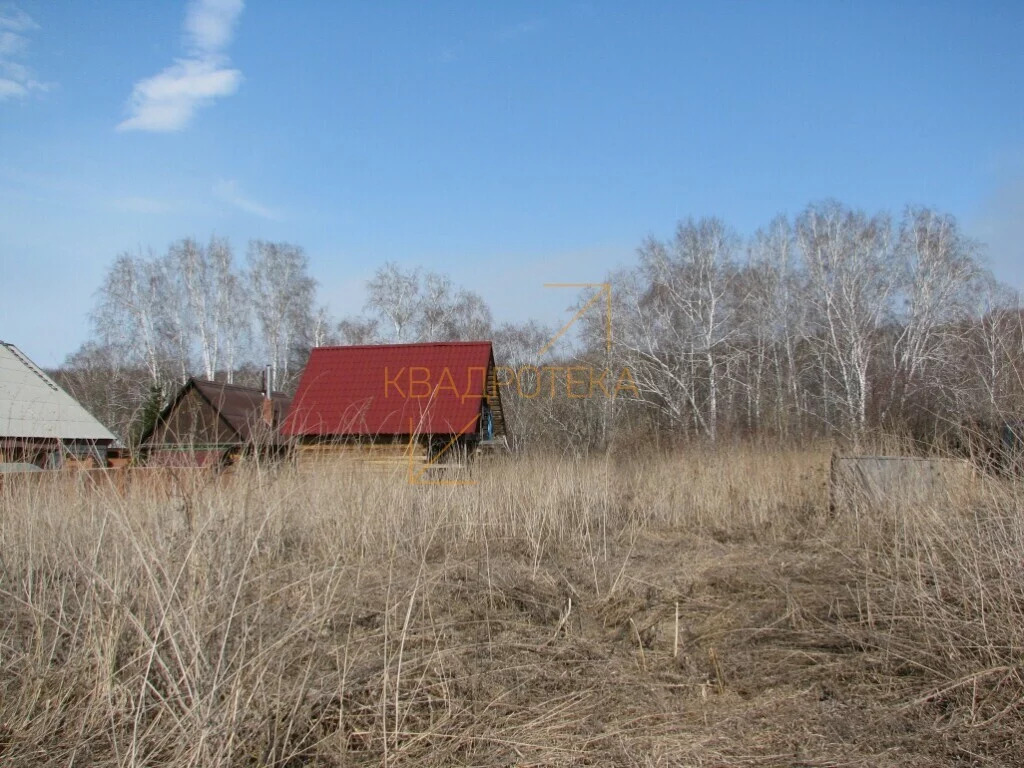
701	609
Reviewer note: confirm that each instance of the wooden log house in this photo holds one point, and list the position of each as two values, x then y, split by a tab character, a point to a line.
428	403
210	423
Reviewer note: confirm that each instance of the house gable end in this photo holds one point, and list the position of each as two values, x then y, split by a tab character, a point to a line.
192	418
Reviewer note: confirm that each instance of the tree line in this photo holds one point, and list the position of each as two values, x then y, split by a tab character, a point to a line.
833	322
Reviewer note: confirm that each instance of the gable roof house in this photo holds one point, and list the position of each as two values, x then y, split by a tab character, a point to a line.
432	402
210	423
40	423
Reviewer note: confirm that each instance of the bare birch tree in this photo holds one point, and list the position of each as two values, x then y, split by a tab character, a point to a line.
112	389
470	318
850	281
282	294
777	313
215	301
417	306
394	294
126	317
359	330
675	318
939	271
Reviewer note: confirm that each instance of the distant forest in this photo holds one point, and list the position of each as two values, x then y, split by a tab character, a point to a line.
832	323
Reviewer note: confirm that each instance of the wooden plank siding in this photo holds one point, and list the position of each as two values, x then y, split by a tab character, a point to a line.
493	398
211	423
398	455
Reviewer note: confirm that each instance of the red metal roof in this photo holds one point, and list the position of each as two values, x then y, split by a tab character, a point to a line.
433	388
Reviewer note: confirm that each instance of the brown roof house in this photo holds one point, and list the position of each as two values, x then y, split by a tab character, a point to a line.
41	425
210	423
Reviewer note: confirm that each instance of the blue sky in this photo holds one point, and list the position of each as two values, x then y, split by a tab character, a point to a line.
508	144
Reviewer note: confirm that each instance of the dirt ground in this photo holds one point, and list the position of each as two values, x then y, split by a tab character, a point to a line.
685	651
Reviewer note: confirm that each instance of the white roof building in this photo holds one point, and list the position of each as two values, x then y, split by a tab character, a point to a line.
33	408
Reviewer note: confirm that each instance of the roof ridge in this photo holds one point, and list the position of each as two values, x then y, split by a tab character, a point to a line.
24	360
224	384
390	345
36	406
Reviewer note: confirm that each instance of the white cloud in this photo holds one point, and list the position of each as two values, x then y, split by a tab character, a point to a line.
10	89
167	101
12	44
228	191
209	24
15	19
16	79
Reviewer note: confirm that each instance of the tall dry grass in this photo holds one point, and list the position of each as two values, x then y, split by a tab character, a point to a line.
703	608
